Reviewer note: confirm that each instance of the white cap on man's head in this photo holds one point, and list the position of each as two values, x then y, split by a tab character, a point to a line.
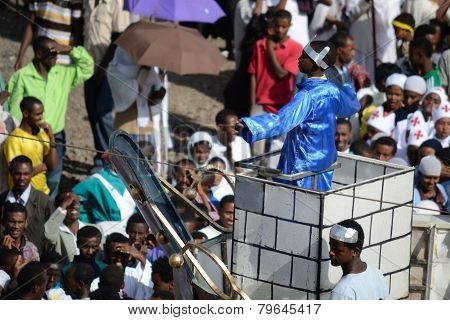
416	84
439	91
430	166
396	79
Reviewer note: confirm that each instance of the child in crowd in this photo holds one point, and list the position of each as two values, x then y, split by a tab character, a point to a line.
309	120
226	213
199	148
221	186
441	119
227	144
384	148
429	147
361	148
162	275
374	96
383	119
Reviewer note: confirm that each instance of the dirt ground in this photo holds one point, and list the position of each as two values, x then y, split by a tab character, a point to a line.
194	100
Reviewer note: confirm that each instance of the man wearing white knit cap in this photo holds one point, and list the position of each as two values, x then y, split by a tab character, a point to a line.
394	92
428	187
380	121
441	119
434	98
415	88
416	137
359	281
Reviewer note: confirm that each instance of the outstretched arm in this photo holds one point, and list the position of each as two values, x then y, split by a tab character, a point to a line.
270	125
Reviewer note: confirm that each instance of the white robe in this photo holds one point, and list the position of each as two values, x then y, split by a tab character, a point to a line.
360	15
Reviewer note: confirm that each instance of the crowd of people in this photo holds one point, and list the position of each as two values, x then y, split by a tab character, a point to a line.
90	241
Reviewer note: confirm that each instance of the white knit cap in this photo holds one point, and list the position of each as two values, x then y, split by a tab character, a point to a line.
442	112
439	91
396	79
417	136
416	120
430	166
416	84
381	121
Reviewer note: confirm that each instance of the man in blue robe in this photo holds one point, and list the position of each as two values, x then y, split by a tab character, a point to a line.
309	119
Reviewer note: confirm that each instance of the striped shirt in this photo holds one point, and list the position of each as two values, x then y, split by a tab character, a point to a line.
55	19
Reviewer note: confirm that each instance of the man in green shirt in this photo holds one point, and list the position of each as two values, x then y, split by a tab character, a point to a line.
420	51
51	83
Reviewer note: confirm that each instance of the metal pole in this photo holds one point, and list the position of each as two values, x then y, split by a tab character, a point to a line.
374	36
432	233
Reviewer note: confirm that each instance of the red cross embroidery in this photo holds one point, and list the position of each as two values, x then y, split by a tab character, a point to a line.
445	108
415	121
375	114
418	135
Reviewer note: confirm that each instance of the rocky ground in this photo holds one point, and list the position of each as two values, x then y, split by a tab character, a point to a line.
194	99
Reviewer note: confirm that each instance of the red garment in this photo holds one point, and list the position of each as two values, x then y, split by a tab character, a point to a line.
360	76
273	93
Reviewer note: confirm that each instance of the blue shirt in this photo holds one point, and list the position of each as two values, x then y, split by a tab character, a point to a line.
309	120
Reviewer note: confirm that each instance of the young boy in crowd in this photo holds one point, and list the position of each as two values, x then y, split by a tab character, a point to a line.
420	52
53	264
14	222
309	120
361	148
359	281
162	275
137	270
10	263
227	143
112	281
31	282
343	135
272	69
78	279
226	212
404	25
221	187
183	174
139	235
384	148
88	243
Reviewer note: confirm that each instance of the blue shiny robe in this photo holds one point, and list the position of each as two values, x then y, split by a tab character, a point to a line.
309	120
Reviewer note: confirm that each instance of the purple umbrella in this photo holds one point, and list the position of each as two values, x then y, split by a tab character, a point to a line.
176	10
